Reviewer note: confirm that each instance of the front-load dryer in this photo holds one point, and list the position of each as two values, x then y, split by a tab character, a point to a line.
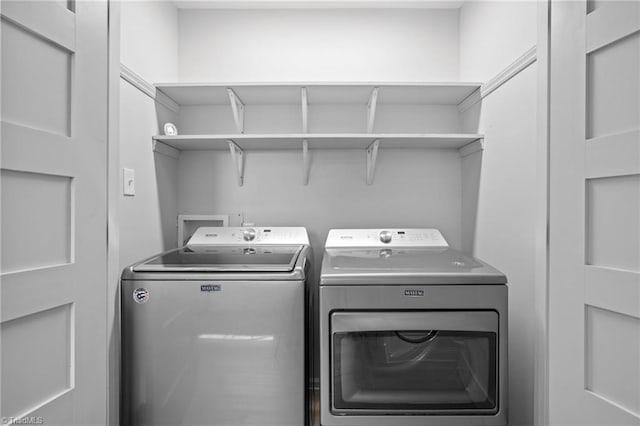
214	333
412	332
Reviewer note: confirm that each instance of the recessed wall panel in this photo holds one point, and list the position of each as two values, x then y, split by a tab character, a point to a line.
613	222
37	359
613	88
612	351
67	4
36	81
36	220
593	5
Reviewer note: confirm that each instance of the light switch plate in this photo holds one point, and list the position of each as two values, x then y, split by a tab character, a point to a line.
128	182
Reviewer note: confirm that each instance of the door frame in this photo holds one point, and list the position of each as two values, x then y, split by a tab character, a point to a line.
541	290
113	225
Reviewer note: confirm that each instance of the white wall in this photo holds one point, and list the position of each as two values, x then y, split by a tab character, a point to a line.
148	219
318	45
418	188
506	223
322	45
149	39
148	46
499	218
493	34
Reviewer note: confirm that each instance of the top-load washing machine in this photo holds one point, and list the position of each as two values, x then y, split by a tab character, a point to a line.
412	332
214	333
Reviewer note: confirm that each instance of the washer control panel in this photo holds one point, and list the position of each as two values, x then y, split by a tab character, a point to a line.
390	237
228	236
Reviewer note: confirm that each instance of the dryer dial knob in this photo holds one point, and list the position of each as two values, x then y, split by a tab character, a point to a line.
249	234
385	237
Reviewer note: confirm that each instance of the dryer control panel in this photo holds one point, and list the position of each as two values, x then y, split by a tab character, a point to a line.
389	237
229	236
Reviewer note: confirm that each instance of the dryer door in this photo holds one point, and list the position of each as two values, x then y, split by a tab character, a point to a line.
417	362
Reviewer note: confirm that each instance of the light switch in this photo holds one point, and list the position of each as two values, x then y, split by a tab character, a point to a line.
128	181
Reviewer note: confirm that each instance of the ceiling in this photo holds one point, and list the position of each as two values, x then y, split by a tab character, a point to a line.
317	4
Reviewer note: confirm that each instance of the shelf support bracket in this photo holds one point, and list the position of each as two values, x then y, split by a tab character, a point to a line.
371	109
306	162
305	107
372	157
237	107
237	157
472	148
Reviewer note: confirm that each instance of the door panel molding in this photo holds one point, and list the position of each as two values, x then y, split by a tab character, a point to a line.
55	152
613	289
24	293
599	30
613	155
50	21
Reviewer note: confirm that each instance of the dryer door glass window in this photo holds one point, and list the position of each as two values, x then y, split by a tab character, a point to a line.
415	369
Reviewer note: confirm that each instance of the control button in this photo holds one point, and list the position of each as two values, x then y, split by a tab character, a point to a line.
385	237
249	234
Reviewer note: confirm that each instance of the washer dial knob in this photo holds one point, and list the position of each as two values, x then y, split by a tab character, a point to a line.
249	234
385	237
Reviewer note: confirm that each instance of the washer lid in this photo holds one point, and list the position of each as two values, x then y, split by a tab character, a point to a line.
224	259
405	265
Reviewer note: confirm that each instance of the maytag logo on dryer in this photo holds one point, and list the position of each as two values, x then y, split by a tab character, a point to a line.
209	288
410	292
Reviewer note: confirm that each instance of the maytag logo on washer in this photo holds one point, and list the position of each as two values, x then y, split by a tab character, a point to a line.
413	293
210	287
140	295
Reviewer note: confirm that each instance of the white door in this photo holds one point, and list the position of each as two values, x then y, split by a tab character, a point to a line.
53	181
594	288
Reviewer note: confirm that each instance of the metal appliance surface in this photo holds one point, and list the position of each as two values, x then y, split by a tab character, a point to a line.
412	332
214	333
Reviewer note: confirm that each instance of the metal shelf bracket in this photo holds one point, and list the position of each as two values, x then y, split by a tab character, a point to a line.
306	162
305	107
237	107
372	156
472	148
237	157
371	109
